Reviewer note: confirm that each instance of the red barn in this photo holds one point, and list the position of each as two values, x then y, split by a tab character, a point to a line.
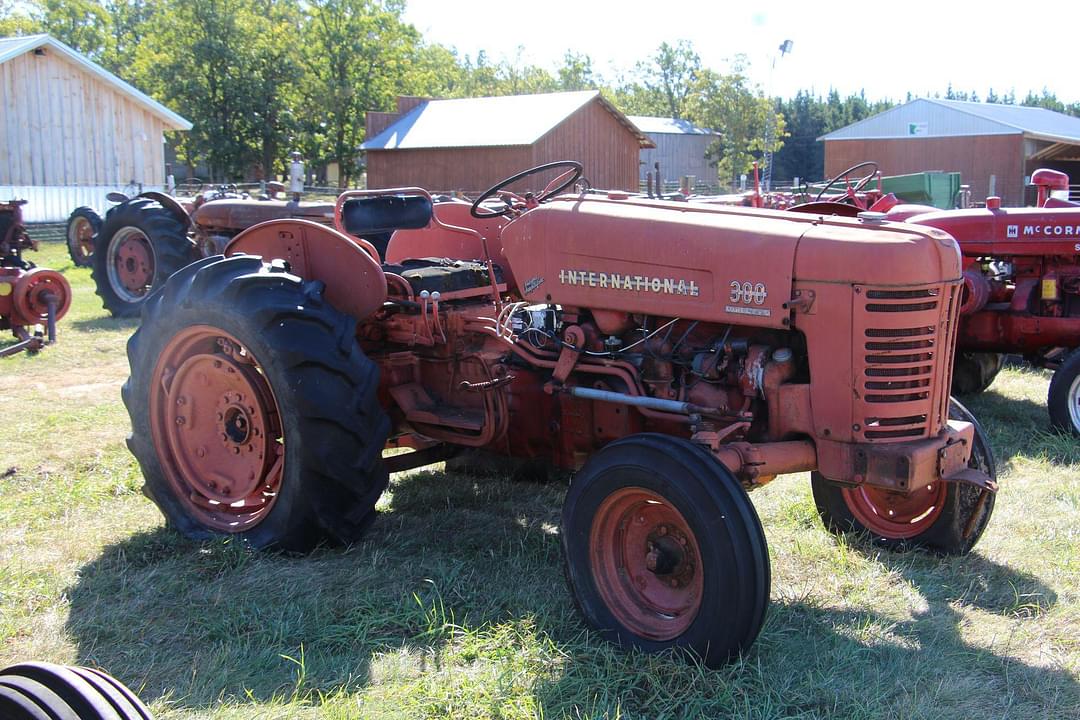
994	147
470	144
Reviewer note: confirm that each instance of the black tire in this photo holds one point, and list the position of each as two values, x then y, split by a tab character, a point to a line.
965	511
44	690
735	581
81	217
168	240
973	372
1063	398
325	390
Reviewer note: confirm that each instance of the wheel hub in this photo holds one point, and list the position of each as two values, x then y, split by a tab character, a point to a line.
893	515
645	562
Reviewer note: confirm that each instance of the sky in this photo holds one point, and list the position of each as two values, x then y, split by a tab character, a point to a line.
886	49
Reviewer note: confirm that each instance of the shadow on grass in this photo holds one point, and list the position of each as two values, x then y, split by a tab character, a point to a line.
455	560
105	322
1021	427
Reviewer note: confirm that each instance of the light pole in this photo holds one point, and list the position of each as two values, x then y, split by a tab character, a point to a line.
770	121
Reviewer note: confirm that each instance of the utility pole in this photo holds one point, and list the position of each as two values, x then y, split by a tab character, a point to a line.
770	121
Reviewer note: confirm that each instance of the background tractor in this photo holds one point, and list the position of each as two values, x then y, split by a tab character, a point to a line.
674	356
1021	289
29	296
144	239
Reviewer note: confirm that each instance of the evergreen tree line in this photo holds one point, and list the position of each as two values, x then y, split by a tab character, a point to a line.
260	78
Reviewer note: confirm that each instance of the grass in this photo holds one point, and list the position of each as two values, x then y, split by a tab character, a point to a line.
455	605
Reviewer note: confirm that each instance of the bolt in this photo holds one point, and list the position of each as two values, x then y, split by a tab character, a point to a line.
640	519
662	530
236	450
217	363
180	420
682	541
201	452
181	400
673	582
220	417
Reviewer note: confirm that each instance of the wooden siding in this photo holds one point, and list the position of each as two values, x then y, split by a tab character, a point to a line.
976	158
63	126
679	155
591	135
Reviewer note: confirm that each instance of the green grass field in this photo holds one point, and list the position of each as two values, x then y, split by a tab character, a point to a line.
455	604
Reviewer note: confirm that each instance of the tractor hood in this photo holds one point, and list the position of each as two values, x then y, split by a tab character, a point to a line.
237	214
1018	230
710	263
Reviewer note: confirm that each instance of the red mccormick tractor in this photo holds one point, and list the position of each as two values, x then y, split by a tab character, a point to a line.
1021	289
145	239
29	296
675	356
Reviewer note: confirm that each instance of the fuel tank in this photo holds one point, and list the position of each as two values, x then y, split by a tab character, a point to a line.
709	263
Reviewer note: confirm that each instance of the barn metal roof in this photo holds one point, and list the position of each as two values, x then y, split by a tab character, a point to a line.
508	120
927	117
15	46
667	126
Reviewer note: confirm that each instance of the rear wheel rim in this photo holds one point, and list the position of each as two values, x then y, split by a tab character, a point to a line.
216	424
646	563
81	237
896	516
131	264
1074	403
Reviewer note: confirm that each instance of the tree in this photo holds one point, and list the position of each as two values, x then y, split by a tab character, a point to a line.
359	53
81	24
577	72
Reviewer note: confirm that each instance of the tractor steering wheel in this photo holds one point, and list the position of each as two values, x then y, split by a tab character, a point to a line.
556	186
859	185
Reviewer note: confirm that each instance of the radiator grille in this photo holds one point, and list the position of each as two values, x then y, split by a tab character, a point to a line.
904	360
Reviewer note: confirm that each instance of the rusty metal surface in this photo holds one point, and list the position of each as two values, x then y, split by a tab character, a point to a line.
354	280
240	214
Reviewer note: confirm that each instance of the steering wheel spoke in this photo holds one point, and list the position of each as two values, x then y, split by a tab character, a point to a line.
852	189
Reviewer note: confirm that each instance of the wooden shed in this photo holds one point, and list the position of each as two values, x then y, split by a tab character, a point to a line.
680	150
72	131
467	145
995	148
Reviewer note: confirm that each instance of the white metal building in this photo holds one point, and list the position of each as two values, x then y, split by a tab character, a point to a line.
70	131
680	149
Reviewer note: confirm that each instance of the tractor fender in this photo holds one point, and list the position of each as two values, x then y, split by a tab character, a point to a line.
169	203
354	280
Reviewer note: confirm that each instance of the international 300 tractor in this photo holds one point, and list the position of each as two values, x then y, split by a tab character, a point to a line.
674	356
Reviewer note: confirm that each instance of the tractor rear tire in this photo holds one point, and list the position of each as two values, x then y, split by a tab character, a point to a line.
973	372
140	244
83	225
254	412
1063	398
663	549
949	519
34	690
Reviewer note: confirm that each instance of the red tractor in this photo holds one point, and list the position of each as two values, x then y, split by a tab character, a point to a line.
29	296
1021	289
675	356
145	239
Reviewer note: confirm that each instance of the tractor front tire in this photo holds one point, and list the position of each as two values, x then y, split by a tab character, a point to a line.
663	549
944	517
1063	397
140	244
83	225
254	412
974	372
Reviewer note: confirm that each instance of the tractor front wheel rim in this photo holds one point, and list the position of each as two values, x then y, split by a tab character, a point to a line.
81	236
896	516
646	563
1074	403
217	426
130	264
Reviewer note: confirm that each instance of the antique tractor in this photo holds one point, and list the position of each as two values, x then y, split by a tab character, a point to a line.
29	296
145	239
674	356
1021	289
